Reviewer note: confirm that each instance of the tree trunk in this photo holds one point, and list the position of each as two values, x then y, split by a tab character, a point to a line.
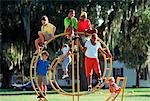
6	73
138	69
26	20
83	79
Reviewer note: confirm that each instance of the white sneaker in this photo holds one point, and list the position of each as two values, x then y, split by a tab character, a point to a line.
44	45
90	89
65	76
100	82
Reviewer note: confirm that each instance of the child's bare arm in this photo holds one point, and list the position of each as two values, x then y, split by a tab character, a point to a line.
83	49
54	29
103	52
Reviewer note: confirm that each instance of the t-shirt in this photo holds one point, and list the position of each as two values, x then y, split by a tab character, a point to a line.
84	24
67	22
42	67
49	28
92	50
65	50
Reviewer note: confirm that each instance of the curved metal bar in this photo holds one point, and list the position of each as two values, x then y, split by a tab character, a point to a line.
61	91
31	77
122	88
54	81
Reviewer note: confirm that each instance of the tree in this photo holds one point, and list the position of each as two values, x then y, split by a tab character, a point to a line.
136	41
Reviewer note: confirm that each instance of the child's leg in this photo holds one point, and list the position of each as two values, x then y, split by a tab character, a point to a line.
89	80
89	71
65	64
44	89
40	82
44	84
97	70
41	87
37	42
41	36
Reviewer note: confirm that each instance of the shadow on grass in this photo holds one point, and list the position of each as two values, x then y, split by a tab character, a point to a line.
138	95
142	91
23	93
5	92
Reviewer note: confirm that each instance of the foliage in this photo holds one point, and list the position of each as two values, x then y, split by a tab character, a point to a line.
20	24
135	44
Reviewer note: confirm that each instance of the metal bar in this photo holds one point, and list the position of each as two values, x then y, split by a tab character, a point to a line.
73	88
78	75
31	77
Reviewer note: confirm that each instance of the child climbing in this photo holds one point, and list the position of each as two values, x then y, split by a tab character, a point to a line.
46	33
66	60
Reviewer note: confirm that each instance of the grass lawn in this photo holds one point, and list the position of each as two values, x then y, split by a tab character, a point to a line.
131	94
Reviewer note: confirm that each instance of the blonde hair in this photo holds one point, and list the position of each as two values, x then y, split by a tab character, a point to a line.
83	14
111	79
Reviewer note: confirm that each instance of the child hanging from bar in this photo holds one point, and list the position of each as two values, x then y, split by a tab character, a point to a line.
66	60
113	88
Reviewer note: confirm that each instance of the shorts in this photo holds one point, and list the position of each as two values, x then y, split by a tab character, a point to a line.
65	63
90	64
47	35
42	79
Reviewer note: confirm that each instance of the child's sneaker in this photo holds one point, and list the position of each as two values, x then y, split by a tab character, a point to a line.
44	45
65	76
89	89
100	82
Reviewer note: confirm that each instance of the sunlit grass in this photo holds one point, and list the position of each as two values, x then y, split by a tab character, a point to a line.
136	94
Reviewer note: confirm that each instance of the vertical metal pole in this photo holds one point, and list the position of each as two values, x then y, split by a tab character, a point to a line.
124	84
73	89
78	76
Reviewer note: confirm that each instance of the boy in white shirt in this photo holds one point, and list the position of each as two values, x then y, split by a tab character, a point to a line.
91	49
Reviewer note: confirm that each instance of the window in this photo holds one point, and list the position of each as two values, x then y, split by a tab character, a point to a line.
117	72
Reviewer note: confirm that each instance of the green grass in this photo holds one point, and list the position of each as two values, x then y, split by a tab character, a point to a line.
136	94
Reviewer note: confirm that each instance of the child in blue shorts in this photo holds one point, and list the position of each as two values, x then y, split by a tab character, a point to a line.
42	69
